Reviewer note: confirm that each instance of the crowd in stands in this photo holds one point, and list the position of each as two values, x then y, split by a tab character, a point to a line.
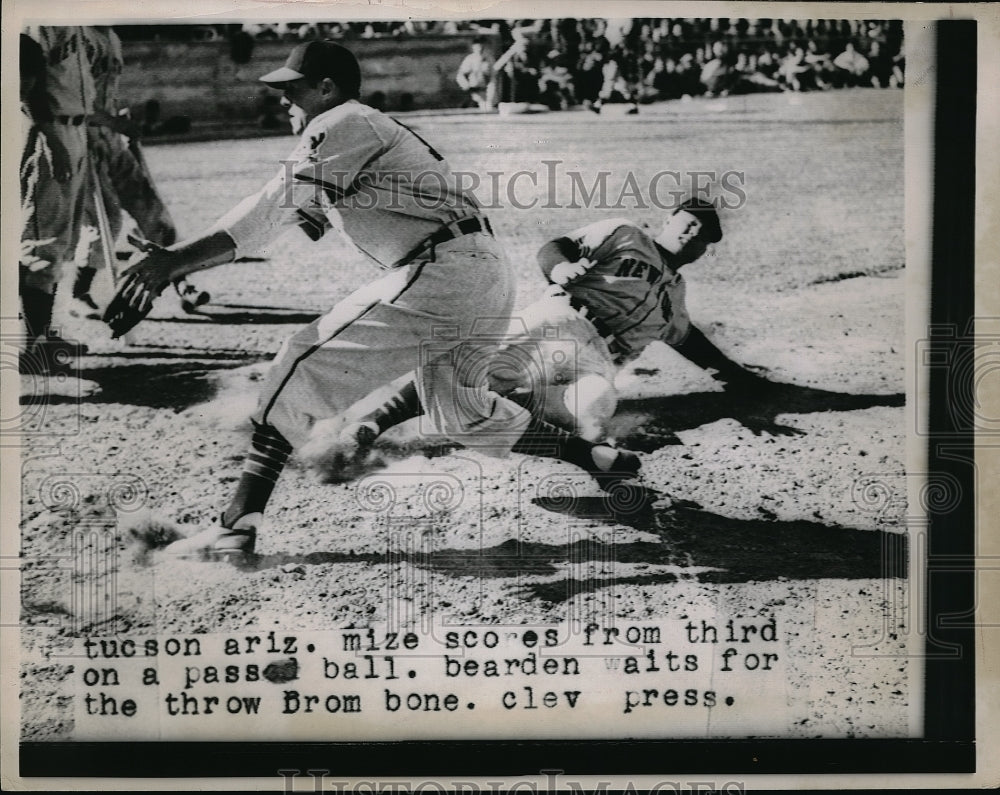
566	62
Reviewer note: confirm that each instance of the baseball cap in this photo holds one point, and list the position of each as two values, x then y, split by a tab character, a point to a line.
704	211
315	60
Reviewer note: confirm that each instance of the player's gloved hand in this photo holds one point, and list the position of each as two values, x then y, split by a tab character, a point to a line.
150	272
564	272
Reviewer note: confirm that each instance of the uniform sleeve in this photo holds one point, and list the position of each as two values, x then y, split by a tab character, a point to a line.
336	155
562	249
282	204
673	304
321	171
589	238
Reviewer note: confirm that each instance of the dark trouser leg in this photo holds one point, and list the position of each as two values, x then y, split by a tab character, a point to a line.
37	306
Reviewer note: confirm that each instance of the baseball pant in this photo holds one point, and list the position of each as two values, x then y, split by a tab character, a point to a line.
555	355
442	316
125	185
53	211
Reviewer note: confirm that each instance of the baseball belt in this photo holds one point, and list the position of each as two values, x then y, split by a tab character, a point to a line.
72	121
451	231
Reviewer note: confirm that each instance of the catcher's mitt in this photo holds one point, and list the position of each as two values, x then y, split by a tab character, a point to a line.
138	288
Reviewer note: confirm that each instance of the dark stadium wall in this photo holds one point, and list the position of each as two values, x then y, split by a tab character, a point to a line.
201	79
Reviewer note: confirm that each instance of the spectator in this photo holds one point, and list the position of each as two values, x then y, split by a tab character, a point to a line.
850	67
689	76
568	40
898	67
661	82
880	65
556	83
474	75
747	80
602	45
588	74
515	73
818	59
648	57
768	62
794	72
618	81
717	75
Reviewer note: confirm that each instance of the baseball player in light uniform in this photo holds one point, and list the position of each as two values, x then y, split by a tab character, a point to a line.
613	290
475	72
395	198
619	70
125	183
59	104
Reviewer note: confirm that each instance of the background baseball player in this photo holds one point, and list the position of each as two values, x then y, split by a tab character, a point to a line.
475	72
59	100
614	289
123	178
445	272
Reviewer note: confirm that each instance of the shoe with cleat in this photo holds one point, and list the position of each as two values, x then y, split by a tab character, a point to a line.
625	469
84	306
191	297
218	542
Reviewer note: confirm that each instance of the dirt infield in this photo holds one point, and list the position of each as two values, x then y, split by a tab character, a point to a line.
754	508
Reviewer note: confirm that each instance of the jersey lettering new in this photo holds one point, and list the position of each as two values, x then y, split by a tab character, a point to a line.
632	287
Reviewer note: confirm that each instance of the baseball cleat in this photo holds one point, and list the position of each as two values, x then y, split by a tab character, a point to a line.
356	441
218	542
625	468
191	297
84	306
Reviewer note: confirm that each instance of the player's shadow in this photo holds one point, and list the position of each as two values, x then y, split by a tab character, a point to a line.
647	424
690	544
170	384
699	545
242	314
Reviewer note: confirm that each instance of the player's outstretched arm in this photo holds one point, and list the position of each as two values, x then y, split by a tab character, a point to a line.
697	348
155	268
255	220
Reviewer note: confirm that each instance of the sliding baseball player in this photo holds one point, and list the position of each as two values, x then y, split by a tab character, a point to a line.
613	290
